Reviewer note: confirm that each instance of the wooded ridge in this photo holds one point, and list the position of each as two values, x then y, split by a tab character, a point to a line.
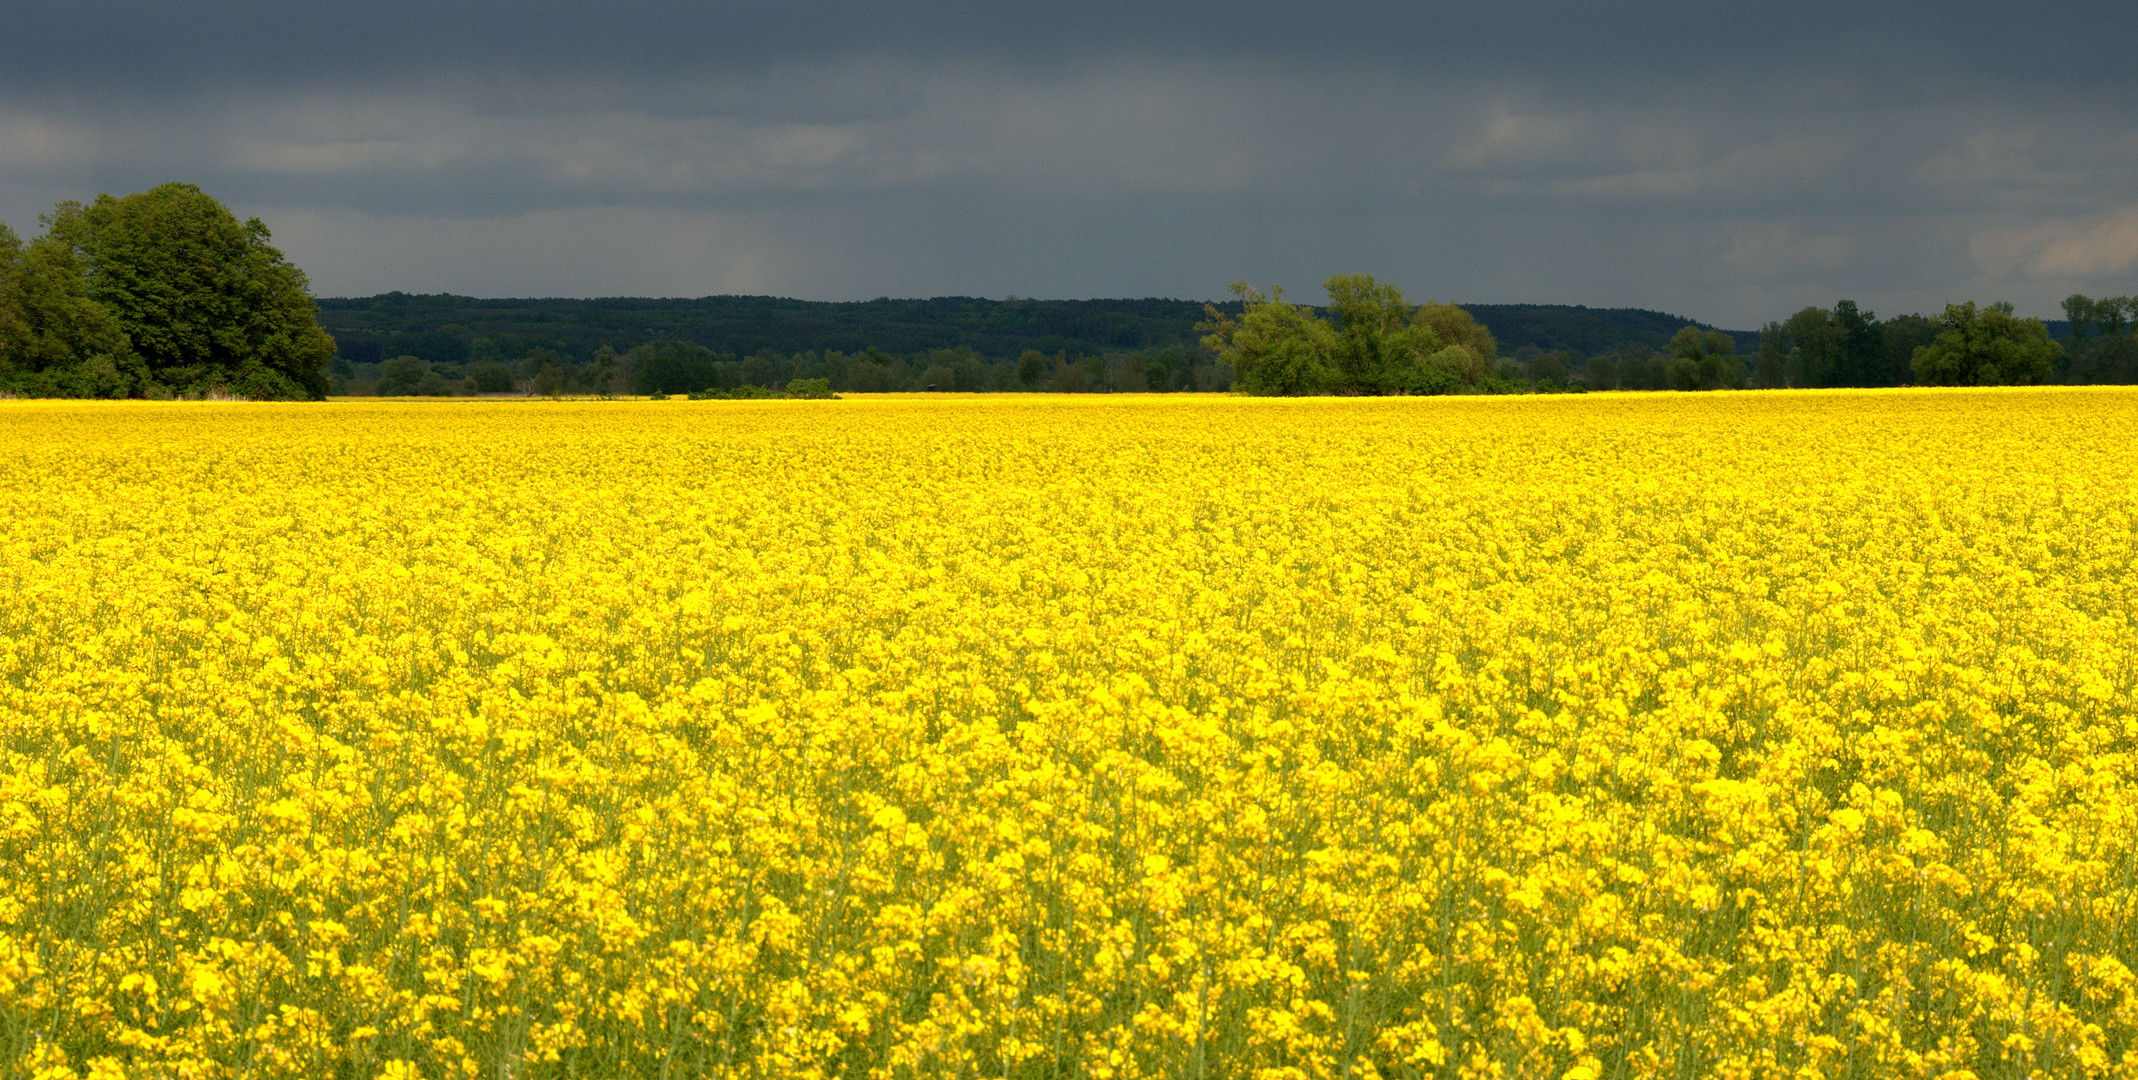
447	329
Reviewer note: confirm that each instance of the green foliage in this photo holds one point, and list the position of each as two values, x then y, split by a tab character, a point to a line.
56	340
1900	336
1771	370
437	327
1275	348
2104	339
457	329
745	392
1379	347
1811	340
403	375
1841	346
672	367
1644	369
1705	360
1031	368
1550	367
1456	329
1986	347
1377	344
810	389
203	298
159	292
491	378
1494	384
1584	330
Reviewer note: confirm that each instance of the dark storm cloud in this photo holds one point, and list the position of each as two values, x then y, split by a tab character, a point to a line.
99	45
1728	162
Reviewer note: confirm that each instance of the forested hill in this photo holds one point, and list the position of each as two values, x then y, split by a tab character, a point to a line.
441	328
1586	331
454	329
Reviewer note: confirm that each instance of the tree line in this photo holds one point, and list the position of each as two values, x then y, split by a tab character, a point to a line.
2102	347
159	294
1370	340
165	293
459	329
671	368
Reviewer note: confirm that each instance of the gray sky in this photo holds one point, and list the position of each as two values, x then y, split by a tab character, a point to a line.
1727	162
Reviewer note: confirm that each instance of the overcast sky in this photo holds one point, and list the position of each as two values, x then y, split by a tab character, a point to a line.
1726	162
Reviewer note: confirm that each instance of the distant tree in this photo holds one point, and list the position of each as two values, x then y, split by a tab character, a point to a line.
1031	368
1771	371
403	376
491	377
1705	360
1986	347
1601	372
1549	367
1813	358
2104	341
968	373
1274	347
1636	370
1454	328
1899	337
1841	346
1168	369
1378	346
871	376
939	377
672	367
1857	360
600	376
1377	343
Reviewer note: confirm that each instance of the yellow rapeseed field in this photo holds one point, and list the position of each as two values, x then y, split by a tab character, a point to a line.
1571	737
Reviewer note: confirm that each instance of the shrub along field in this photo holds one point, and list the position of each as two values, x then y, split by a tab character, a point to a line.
1619	735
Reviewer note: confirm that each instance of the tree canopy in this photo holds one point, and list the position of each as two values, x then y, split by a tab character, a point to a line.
2104	339
1375	342
158	293
1986	347
1705	360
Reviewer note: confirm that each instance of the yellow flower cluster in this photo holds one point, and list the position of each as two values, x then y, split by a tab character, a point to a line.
1740	735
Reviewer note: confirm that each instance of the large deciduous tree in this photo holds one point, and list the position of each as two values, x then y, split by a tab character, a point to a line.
56	340
1275	347
162	291
1375	343
1986	347
1705	360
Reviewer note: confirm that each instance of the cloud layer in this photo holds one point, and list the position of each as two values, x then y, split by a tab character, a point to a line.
1731	164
